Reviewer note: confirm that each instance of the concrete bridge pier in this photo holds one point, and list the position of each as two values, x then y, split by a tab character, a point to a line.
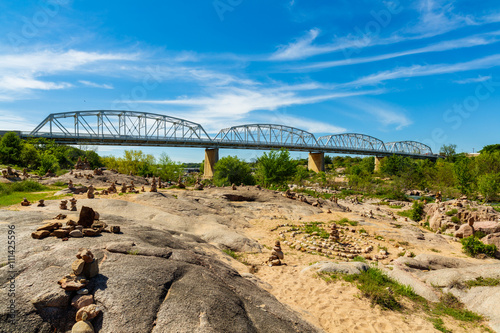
377	163
211	157
316	162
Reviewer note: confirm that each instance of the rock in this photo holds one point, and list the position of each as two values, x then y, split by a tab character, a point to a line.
76	234
50	226
91	232
77	266
82	292
488	227
60	233
87	217
115	229
464	231
83	326
81	301
342	267
72	285
40	234
55	297
91	269
91	310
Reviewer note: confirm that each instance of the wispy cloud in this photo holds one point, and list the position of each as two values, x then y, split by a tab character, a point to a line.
11	120
386	114
96	85
427	70
474	79
477	40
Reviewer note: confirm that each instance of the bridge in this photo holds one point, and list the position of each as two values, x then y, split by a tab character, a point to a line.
133	128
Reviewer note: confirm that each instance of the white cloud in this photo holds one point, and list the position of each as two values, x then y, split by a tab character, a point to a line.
12	121
306	124
477	40
427	70
385	113
95	85
473	79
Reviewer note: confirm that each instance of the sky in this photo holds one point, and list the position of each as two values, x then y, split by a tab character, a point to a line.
422	70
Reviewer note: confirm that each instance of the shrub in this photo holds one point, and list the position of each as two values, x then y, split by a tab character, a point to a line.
276	167
451	212
417	212
231	170
455	219
473	246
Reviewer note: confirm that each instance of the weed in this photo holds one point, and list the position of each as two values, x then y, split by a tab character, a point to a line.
400	243
379	238
231	253
435	250
451	306
439	324
473	246
480	281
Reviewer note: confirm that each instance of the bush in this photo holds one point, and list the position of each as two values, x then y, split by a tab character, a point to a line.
417	211
473	246
231	170
276	167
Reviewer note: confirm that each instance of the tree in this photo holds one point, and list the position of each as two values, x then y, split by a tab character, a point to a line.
276	167
490	148
464	176
488	185
168	169
10	148
231	170
29	156
448	150
47	162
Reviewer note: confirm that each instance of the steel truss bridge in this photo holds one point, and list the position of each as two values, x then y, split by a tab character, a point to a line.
132	128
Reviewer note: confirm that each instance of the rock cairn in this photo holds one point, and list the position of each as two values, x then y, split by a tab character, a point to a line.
70	185
112	188
334	233
233	187
25	202
180	184
276	255
90	192
84	268
124	188
63	204
198	185
153	186
41	203
98	172
73	201
142	189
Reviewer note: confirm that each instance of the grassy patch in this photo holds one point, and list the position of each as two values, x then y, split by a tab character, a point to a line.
359	258
449	305
14	193
455	219
439	324
311	227
481	282
346	221
473	246
451	212
395	206
231	253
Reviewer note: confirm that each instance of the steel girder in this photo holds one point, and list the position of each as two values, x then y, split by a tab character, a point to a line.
352	141
111	124
268	135
409	147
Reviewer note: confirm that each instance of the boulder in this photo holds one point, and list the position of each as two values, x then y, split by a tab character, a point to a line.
60	233
40	234
87	217
464	231
77	266
488	227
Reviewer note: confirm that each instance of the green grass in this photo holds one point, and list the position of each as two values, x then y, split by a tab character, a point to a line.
481	282
359	258
451	212
435	250
455	219
14	193
311	227
439	324
345	221
314	194
449	305
473	246
404	213
231	253
395	206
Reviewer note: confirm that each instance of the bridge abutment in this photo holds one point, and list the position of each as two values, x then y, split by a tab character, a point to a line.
316	162
211	157
378	160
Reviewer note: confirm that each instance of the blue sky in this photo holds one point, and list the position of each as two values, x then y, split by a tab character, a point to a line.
425	70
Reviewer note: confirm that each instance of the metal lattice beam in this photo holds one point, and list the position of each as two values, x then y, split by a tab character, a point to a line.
352	141
408	147
266	134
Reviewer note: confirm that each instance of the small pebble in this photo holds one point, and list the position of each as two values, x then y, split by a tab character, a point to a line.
82	292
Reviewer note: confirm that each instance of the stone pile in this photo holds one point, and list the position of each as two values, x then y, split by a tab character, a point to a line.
343	242
233	187
9	173
276	255
41	203
153	186
198	185
25	202
124	188
73	201
112	188
98	172
84	268
49	174
87	225
63	204
179	183
90	192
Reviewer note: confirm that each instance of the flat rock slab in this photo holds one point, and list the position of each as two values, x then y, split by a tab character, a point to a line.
448	276
353	267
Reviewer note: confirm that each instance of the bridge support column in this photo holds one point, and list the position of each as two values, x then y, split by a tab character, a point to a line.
377	163
316	162
211	157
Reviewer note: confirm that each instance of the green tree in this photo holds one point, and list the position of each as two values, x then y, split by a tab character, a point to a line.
94	159
10	148
47	162
231	170
490	148
464	175
488	185
448	151
276	167
169	170
29	156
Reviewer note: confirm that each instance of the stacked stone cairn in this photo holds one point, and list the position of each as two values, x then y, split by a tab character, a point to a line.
98	172
153	185
198	185
63	205
73	201
84	268
334	233
142	189
276	255
90	192
233	187
25	174
41	203
112	188
25	202
160	185
180	184
124	188
70	185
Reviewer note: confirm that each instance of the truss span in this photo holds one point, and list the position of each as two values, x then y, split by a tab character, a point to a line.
267	135
352	141
408	147
118	125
